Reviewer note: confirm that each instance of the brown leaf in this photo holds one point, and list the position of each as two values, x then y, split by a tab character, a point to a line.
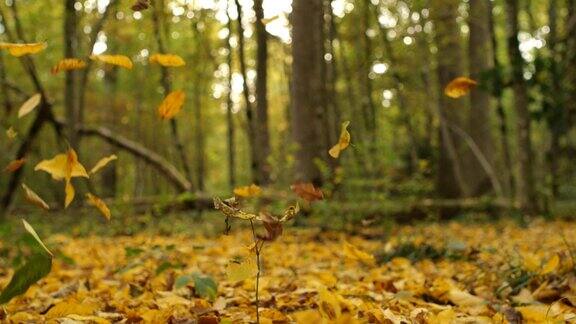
14	165
307	191
272	225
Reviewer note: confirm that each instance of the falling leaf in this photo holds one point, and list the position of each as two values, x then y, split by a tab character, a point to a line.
65	308
140	5
355	253
119	60
68	64
170	60
11	133
307	191
343	142
35	268
459	87
29	105
99	203
18	50
248	191
551	265
70	192
172	104
231	211
33	198
241	270
62	164
103	162
32	232
266	21
14	165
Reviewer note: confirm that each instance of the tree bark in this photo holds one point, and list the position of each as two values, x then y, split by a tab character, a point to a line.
526	192
261	120
479	125
307	53
229	109
450	181
71	80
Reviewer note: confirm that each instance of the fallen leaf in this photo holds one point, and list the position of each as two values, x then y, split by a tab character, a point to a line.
29	105
343	142
14	165
241	270
65	308
102	163
248	191
307	191
34	199
119	60
459	87
551	265
68	64
169	60
172	104
18	50
354	253
99	203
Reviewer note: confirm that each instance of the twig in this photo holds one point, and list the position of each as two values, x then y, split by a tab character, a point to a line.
257	252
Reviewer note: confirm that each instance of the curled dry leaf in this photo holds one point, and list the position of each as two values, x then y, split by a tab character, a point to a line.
248	191
231	211
169	60
343	142
14	165
100	204
68	64
290	213
119	60
459	87
307	191
172	104
62	166
29	105
32	232
272	225
102	163
18	50
33	198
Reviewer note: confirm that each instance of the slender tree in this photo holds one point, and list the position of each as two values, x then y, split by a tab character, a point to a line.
230	106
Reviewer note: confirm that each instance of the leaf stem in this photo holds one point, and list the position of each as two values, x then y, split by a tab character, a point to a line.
257	252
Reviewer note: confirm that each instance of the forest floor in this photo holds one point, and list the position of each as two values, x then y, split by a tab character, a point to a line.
435	273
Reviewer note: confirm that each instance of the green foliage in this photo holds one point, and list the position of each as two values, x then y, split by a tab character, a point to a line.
35	268
205	286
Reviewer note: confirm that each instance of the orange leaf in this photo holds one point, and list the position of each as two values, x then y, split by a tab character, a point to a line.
99	203
343	142
18	50
68	64
14	165
119	60
459	87
248	191
172	104
70	193
307	191
170	60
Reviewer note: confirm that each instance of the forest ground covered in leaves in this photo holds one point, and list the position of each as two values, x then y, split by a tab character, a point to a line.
461	271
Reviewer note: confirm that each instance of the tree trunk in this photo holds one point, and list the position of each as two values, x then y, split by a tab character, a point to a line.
229	108
109	174
450	181
307	53
479	125
526	192
6	102
71	80
261	120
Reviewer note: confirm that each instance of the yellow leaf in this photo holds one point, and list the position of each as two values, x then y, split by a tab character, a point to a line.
307	316
18	50
551	265
238	271
70	193
102	163
355	253
459	87
34	199
14	165
329	305
120	60
65	308
248	191
68	64
172	104
343	142
61	164
11	133
29	105
99	203
32	232
171	60
531	262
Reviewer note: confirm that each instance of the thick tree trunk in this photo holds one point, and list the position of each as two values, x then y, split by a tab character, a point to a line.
71	81
526	192
479	125
109	174
261	120
307	53
450	181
